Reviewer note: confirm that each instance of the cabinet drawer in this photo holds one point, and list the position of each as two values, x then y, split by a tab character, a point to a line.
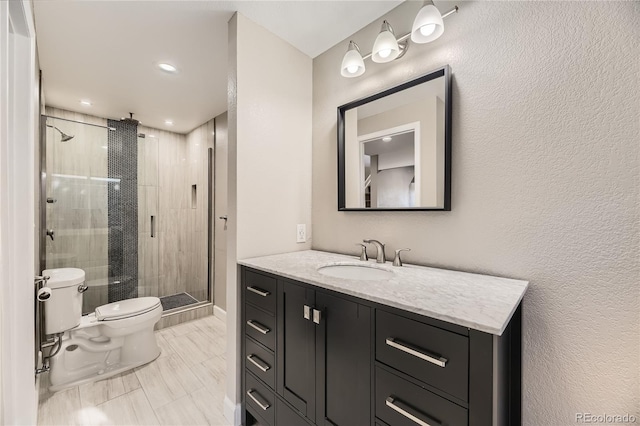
260	290
260	326
260	400
435	356
287	416
261	362
401	403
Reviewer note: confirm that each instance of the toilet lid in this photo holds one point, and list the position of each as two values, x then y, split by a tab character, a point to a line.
126	308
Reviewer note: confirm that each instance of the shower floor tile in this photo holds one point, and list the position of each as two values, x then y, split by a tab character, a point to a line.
178	388
176	301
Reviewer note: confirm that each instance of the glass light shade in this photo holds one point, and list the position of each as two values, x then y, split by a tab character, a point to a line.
385	48
428	25
352	63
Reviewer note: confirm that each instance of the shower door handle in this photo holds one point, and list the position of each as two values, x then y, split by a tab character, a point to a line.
51	234
153	226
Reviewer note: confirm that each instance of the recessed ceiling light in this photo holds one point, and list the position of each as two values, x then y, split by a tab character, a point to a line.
168	122
85	102
386	139
166	67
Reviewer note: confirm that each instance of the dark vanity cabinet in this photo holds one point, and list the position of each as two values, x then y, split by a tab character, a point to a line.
315	356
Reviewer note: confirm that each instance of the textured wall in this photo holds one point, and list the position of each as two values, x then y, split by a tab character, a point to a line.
545	182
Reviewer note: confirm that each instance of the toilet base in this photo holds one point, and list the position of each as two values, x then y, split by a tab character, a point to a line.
86	356
111	371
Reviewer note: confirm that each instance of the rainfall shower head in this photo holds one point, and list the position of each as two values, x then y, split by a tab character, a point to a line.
130	120
63	136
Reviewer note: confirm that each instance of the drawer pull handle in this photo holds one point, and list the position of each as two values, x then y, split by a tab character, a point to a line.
258	291
430	357
394	404
257	326
263	405
258	362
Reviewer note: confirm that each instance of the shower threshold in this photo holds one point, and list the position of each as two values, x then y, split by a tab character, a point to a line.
177	300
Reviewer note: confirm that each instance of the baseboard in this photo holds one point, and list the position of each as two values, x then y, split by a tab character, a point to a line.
232	412
220	313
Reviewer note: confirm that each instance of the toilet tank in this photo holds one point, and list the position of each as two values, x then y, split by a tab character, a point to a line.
63	310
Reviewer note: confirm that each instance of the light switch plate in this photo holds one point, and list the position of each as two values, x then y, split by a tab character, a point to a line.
301	234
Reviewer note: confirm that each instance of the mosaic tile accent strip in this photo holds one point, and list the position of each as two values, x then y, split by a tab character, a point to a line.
122	198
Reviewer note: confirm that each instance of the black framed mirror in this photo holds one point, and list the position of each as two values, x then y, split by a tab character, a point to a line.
394	147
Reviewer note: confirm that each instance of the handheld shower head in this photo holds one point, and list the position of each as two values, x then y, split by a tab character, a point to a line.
63	136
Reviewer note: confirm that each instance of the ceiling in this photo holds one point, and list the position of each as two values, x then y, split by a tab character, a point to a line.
107	51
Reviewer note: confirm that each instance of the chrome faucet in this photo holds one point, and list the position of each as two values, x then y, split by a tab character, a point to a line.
380	257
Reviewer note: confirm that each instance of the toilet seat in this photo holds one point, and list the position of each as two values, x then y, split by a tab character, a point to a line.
126	308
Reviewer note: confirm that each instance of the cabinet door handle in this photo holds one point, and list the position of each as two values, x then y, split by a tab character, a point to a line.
258	363
307	312
317	315
258	291
257	326
263	405
403	409
430	357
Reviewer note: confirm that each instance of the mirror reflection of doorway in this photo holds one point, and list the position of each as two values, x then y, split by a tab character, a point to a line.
389	168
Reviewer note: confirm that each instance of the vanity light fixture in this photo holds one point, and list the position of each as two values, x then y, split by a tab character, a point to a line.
427	26
352	63
386	47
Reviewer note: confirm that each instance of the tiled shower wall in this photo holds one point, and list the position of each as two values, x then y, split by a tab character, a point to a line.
173	187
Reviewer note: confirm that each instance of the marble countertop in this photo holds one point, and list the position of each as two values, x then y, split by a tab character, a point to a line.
479	302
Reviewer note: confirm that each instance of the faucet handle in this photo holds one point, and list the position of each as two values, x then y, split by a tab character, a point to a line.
396	260
363	253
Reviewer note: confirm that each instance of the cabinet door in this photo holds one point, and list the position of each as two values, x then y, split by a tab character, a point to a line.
296	356
343	341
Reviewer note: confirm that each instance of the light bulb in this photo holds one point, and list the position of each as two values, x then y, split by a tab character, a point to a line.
384	53
427	30
352	69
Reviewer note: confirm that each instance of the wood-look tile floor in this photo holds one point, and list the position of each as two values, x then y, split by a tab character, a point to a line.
185	385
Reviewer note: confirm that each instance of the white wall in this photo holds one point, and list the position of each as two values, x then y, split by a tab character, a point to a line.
269	157
18	135
220	209
545	182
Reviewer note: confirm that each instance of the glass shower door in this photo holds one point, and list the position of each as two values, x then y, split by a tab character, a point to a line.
76	203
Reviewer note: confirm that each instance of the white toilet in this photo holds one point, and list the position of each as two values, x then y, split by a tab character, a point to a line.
114	338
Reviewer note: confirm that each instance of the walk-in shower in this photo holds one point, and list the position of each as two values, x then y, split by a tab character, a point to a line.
130	207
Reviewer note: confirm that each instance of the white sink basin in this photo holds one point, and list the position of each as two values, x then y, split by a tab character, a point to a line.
363	272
